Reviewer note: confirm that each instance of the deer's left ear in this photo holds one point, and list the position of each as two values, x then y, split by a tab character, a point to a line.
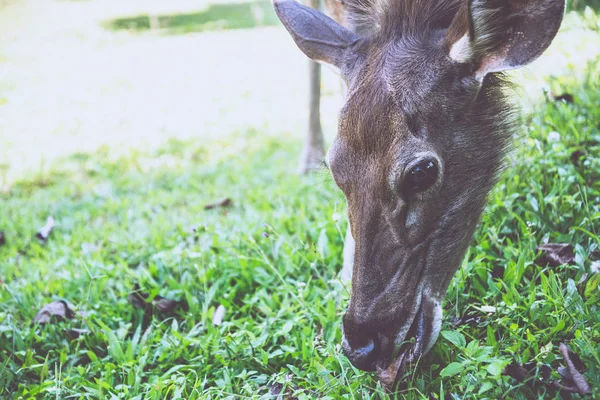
317	35
498	35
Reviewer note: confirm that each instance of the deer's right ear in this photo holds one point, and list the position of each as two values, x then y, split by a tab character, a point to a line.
498	35
317	35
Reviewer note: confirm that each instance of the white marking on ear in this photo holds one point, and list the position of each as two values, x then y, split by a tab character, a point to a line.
460	51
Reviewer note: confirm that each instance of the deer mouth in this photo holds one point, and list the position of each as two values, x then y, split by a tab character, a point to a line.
408	354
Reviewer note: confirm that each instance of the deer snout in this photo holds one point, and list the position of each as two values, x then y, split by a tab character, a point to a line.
360	344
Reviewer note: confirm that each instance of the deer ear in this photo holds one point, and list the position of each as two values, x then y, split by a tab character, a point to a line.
499	35
317	35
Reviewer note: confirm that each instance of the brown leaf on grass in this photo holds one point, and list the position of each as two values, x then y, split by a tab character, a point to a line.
223	203
138	298
577	157
465	319
555	254
565	97
521	372
163	305
576	377
55	311
167	306
276	389
2	238
572	380
76	333
516	371
44	233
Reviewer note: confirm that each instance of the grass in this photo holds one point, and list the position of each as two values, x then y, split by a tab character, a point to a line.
272	260
215	17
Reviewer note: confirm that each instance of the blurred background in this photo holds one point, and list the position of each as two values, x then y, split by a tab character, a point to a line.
76	75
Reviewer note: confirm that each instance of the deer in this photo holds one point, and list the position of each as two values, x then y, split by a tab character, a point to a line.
421	140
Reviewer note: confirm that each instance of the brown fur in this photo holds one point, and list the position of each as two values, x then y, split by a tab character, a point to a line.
423	86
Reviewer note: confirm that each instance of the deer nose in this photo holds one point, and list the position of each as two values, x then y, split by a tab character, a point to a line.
360	345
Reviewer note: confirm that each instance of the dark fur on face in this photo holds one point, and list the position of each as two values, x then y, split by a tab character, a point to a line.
424	89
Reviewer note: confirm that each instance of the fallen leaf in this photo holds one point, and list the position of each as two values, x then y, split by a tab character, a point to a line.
138	298
576	377
55	311
44	233
226	202
163	305
577	156
572	380
275	389
516	371
555	254
167	306
76	333
2	238
565	97
219	315
465	319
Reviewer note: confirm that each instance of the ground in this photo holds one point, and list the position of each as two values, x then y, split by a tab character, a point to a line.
124	134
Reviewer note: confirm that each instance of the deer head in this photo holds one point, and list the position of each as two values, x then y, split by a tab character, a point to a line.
420	142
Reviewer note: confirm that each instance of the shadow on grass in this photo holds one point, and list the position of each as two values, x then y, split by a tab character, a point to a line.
215	17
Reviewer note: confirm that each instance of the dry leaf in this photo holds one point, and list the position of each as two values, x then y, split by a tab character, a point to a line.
577	157
76	333
555	254
55	311
565	97
219	315
44	233
226	202
520	372
577	377
572	380
163	305
465	319
138	298
276	389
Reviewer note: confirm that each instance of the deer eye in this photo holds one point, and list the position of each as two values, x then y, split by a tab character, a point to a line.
421	176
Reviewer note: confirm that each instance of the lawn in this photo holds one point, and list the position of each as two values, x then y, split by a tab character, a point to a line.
133	225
